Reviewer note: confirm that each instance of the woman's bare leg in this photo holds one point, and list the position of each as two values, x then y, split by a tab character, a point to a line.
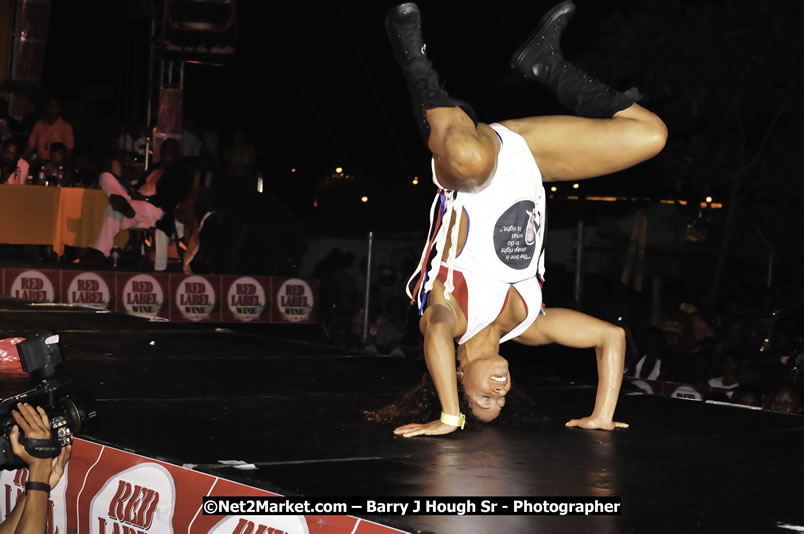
574	148
608	132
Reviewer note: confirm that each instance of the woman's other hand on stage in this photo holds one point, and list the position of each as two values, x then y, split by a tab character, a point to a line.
433	428
590	423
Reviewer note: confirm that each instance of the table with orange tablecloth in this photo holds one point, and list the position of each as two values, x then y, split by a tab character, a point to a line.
56	216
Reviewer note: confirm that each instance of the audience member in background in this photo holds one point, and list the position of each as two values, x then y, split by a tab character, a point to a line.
676	323
336	299
737	334
729	378
193	213
786	399
170	189
240	170
31	510
702	320
58	170
127	209
192	145
240	157
5	122
748	396
653	349
152	205
349	288
13	169
746	373
50	130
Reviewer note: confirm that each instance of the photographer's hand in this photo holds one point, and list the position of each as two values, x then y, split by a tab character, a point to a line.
35	424
30	513
57	465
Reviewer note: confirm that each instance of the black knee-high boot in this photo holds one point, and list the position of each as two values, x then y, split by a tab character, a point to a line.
404	28
540	59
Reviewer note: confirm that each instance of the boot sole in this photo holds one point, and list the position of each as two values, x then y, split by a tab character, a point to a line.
518	60
397	16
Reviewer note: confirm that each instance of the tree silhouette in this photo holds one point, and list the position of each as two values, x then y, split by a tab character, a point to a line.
724	76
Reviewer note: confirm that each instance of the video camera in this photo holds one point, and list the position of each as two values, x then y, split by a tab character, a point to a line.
41	356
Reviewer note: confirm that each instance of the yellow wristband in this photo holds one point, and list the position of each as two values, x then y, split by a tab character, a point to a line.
453	420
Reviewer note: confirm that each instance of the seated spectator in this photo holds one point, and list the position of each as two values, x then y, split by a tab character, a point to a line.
193	213
169	188
85	169
649	365
747	396
50	130
153	205
57	169
702	320
13	169
728	380
786	400
746	374
127	209
676	323
31	510
736	335
5	121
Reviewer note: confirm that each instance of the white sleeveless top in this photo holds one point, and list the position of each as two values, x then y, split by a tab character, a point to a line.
506	223
506	219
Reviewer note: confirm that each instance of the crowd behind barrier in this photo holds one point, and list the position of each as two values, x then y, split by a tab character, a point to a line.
731	351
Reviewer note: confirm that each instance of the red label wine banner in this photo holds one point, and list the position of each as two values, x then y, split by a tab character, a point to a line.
173	297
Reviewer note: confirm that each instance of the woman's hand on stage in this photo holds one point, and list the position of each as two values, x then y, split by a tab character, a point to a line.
433	428
591	423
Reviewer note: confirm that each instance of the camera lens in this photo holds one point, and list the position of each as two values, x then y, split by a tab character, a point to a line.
78	413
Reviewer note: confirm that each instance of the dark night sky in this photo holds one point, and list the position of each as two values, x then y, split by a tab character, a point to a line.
314	84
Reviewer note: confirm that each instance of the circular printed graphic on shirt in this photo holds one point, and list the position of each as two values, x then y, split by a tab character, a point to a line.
515	234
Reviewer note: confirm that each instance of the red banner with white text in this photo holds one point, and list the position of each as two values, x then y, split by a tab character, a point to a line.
173	297
110	491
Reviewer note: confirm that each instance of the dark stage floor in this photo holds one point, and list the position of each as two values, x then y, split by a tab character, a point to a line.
190	394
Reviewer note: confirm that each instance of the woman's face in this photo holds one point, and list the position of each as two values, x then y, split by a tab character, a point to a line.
486	382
